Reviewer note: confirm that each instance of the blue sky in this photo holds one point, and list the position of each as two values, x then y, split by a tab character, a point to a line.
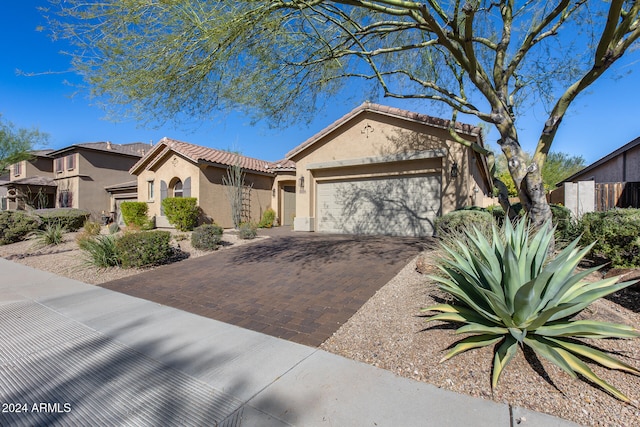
601	120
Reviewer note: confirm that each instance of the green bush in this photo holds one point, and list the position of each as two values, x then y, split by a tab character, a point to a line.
182	212
135	213
92	228
70	218
16	226
616	234
100	250
144	248
113	228
51	234
247	231
267	219
456	221
207	237
508	293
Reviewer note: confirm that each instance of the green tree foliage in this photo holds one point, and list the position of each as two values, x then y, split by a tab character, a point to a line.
182	212
283	59
16	143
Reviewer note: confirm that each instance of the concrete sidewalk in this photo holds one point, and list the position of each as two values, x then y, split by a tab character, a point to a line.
77	354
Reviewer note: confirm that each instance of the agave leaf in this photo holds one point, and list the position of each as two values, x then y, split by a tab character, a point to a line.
544	316
596	355
540	346
560	282
539	249
469	343
525	302
512	277
503	355
461	316
582	368
587	329
518	334
477	328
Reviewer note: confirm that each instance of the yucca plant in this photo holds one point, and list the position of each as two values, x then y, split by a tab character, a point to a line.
51	234
510	292
100	250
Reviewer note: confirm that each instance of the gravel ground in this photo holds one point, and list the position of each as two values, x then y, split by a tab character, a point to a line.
387	332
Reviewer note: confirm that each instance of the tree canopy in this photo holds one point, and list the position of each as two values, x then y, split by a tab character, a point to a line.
283	59
17	143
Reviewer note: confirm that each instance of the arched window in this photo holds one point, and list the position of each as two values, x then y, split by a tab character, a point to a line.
177	189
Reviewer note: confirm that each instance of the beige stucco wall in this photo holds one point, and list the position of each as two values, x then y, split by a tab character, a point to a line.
206	186
277	194
625	167
40	166
379	138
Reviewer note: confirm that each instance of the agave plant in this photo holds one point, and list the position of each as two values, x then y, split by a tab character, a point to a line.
510	292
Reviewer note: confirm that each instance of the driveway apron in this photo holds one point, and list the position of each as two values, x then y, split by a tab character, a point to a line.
299	288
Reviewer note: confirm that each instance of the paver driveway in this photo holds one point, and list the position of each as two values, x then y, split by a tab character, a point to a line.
299	287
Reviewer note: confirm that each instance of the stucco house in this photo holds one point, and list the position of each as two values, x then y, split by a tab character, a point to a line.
384	170
31	182
178	169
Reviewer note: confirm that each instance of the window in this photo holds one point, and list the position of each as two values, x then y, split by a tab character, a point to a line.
150	189
177	189
60	164
17	169
71	161
65	199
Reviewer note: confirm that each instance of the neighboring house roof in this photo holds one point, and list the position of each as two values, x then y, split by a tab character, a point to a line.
137	149
387	111
282	166
603	160
198	154
122	186
42	153
32	180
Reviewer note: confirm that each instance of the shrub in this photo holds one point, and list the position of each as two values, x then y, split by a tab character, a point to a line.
247	231
182	212
206	237
51	234
616	234
16	226
100	250
454	222
508	294
134	213
92	228
267	218
113	228
70	218
144	248
567	229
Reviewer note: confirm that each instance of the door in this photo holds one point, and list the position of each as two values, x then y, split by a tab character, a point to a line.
398	206
289	204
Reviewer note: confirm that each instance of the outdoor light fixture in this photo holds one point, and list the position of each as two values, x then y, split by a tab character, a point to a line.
273	192
454	170
301	181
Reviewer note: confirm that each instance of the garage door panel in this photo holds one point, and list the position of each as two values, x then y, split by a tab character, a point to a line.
393	205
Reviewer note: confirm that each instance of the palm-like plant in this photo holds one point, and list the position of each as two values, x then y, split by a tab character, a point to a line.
510	292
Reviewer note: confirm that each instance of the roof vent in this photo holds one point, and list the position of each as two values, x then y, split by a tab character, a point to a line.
108	145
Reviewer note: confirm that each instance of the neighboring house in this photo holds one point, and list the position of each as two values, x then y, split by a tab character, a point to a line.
31	183
612	181
4	179
83	172
179	169
383	170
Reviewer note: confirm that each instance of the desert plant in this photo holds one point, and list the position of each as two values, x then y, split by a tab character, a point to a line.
615	234
455	221
511	293
144	248
182	212
100	250
207	237
50	234
134	213
16	226
113	228
91	228
70	218
268	217
247	231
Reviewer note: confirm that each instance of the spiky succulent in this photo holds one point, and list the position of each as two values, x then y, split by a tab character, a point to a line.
509	292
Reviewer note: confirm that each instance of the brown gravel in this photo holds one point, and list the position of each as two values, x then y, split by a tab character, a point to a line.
387	332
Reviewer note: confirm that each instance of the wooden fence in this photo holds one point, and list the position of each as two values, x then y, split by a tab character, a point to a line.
611	195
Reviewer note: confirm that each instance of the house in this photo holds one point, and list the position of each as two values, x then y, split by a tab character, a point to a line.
612	181
31	183
383	170
4	179
178	169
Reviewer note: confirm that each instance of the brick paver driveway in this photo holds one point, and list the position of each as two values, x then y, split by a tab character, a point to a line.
292	286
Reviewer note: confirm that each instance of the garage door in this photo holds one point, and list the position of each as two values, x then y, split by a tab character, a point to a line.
399	206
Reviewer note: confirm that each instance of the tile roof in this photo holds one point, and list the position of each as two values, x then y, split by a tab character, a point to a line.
389	111
137	149
32	180
200	154
282	165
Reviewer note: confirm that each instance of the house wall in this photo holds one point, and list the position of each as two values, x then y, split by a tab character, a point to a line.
40	166
93	171
277	194
625	167
371	135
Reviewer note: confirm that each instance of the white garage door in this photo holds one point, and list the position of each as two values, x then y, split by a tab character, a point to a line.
399	206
